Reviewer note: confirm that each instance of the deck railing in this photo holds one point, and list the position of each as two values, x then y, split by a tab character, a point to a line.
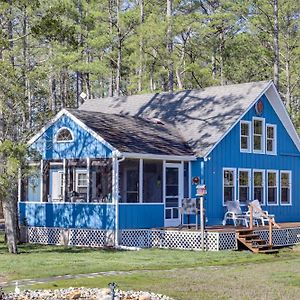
271	221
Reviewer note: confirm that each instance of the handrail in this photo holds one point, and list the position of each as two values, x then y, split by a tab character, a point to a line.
270	220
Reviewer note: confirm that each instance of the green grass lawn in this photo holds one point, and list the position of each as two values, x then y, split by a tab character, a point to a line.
181	274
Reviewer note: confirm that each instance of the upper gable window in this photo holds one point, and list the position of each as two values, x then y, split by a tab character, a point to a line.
271	139
64	135
258	135
245	130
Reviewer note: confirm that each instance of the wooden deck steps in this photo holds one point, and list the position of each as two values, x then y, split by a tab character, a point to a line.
253	242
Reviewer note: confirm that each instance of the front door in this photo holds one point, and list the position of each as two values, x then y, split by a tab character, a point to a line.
173	193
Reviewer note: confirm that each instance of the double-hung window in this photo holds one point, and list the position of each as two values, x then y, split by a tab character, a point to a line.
258	135
228	185
285	187
245	134
244	186
272	181
259	186
81	182
271	139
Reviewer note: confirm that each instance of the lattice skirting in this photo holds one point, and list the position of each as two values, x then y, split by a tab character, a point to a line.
281	237
174	239
153	238
70	237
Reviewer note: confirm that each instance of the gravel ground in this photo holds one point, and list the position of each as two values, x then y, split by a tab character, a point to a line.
82	294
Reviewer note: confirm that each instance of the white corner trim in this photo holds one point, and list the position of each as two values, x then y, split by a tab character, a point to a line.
78	122
240	118
277	104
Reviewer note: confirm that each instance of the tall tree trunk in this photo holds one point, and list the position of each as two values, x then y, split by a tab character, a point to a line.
10	217
119	48
276	44
288	82
140	72
170	46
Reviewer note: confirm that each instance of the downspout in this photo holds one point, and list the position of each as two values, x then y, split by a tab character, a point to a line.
116	196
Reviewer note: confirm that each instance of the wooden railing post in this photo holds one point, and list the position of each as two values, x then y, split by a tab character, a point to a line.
251	217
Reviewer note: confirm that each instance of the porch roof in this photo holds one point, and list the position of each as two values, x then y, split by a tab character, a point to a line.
134	134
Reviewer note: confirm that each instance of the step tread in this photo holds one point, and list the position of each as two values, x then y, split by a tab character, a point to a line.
268	251
252	235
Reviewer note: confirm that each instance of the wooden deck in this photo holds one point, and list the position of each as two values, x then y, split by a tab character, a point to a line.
229	228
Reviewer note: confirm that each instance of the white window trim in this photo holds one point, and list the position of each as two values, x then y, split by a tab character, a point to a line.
274	152
249	185
291	185
264	184
234	180
249	137
263	135
267	189
57	133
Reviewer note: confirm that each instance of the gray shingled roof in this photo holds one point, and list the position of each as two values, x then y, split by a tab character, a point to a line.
134	134
202	117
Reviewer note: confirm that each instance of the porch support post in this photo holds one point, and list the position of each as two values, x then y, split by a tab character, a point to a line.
190	180
88	192
115	188
41	180
64	179
141	176
19	185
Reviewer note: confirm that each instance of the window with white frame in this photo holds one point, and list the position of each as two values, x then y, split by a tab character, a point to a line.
228	185
259	186
64	135
245	130
272	182
271	139
285	187
81	182
258	135
244	186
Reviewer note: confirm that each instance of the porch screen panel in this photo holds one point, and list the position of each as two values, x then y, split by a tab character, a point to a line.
129	181
152	182
228	185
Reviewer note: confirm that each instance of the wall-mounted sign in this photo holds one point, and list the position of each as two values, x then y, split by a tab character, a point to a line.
259	107
196	180
201	190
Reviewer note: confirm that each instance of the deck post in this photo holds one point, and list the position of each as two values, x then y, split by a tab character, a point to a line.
270	234
64	179
202	223
141	175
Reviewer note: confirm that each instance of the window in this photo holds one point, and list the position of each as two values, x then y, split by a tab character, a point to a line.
244	186
81	182
245	136
271	139
285	187
228	185
64	135
258	135
272	187
258	186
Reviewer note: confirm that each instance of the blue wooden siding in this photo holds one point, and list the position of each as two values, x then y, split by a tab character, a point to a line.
84	144
141	216
91	216
68	215
227	155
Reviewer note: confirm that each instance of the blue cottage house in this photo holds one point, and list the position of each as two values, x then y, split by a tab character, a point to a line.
124	164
